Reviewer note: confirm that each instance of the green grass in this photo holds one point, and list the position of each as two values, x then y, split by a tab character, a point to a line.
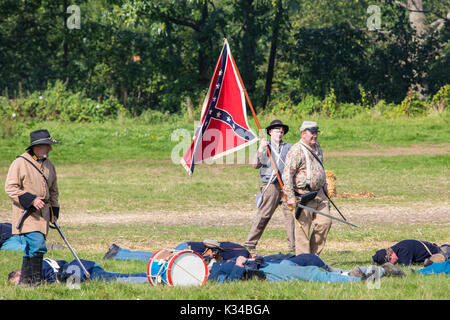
119	168
415	286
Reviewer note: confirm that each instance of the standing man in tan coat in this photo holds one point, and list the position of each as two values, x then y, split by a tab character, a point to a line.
32	187
271	195
303	173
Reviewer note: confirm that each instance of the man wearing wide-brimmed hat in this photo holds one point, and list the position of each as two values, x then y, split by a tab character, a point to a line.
303	173
31	184
271	195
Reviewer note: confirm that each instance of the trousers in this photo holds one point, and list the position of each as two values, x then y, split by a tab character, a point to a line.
314	242
270	201
34	244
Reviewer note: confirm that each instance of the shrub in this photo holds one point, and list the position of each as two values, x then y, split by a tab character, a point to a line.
58	103
412	105
330	105
364	98
285	108
441	99
383	108
349	110
154	116
308	106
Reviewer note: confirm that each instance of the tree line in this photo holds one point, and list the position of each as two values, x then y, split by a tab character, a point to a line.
160	54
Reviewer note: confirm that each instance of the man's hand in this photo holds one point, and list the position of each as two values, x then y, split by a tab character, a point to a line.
38	203
240	261
262	145
292	204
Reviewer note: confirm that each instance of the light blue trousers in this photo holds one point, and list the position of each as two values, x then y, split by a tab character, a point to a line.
16	242
125	254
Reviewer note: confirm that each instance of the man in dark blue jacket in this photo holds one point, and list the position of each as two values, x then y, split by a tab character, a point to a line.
409	252
280	267
61	271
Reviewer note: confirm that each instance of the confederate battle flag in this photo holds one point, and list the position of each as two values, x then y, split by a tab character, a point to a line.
223	127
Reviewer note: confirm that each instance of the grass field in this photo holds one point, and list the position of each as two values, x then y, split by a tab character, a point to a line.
119	185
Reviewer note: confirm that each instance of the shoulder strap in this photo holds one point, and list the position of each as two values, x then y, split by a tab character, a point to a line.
308	165
314	155
53	264
272	150
34	167
426	247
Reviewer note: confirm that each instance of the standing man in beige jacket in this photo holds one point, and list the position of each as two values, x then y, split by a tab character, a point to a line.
303	173
32	187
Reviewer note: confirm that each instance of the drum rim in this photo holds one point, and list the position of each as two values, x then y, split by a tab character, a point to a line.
170	263
169	276
149	277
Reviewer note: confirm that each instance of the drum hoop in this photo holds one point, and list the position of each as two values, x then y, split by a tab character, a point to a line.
170	263
169	276
149	276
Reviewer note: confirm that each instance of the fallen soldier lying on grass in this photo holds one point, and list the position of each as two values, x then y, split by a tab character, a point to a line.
407	252
208	249
226	269
279	268
61	271
241	268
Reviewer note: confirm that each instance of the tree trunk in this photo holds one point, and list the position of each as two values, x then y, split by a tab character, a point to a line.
273	53
189	108
417	16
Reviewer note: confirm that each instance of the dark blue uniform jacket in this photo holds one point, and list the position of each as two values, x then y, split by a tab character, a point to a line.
413	251
66	270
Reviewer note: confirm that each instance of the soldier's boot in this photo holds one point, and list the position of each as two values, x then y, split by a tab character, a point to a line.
36	270
391	270
25	275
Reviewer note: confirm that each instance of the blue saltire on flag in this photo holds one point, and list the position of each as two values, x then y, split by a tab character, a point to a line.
223	127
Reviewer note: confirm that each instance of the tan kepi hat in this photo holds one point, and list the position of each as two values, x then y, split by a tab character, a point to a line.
310	126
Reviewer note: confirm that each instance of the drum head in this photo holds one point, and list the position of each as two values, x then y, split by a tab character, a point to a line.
187	268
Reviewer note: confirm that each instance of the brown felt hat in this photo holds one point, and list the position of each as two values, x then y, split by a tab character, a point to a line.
277	124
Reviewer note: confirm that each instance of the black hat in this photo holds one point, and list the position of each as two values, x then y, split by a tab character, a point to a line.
380	256
277	124
40	137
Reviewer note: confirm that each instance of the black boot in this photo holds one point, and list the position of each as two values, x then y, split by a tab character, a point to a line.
25	275
36	270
